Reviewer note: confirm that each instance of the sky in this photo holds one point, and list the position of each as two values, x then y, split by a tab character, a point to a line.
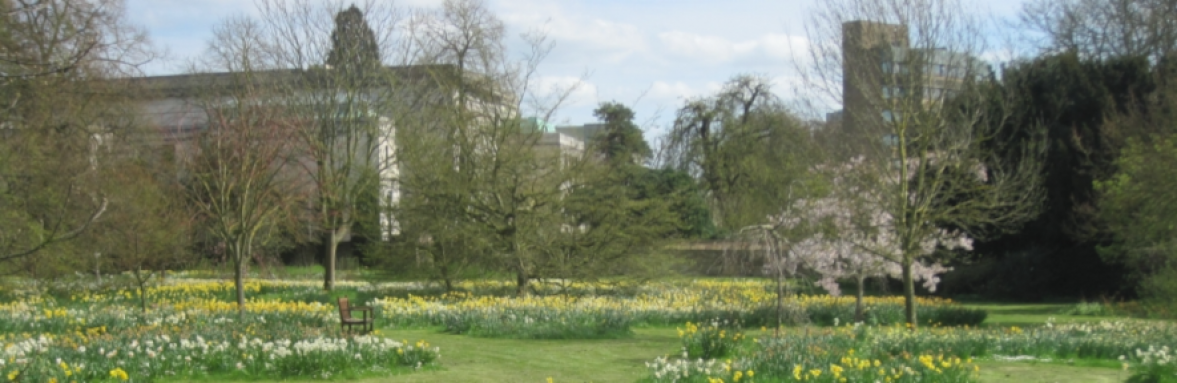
651	55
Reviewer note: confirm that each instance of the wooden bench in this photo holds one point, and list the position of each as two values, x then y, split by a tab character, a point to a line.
346	322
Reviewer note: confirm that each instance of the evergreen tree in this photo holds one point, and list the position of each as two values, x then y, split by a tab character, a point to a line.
614	224
686	199
353	44
1071	99
622	142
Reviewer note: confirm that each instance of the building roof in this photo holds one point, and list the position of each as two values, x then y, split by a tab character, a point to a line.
185	85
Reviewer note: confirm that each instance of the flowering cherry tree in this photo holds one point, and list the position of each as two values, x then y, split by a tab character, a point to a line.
923	149
850	234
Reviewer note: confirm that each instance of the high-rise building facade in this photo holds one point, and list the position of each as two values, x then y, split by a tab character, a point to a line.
884	77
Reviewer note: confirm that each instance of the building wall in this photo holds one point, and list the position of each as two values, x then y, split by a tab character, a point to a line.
884	75
175	119
171	111
864	45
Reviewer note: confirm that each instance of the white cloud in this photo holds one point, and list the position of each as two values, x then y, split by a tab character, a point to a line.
580	93
675	92
783	47
770	47
604	38
694	46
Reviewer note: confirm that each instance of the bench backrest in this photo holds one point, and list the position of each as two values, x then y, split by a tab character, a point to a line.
344	313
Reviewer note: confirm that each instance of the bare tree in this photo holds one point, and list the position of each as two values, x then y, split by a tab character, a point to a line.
148	228
240	180
56	109
914	98
497	177
54	37
1104	28
345	95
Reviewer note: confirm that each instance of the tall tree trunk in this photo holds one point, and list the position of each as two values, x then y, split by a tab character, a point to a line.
780	302
239	276
330	246
142	283
520	267
909	295
521	283
858	299
446	278
98	267
444	268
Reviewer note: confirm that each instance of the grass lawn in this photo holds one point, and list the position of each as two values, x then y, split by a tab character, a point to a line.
1031	314
469	359
1030	372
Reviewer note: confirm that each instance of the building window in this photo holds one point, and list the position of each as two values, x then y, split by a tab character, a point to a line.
894	91
887	67
888	116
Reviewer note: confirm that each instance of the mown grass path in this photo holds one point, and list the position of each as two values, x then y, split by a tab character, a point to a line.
1022	372
469	359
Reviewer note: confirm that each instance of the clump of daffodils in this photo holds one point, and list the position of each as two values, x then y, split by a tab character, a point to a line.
1155	364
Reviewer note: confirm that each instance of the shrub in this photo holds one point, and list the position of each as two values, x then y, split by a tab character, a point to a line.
1090	309
952	316
837	313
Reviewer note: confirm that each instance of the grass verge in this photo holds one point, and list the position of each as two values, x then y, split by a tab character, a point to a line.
1033	372
469	359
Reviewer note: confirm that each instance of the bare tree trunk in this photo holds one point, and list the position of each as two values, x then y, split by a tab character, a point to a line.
239	258
141	281
780	300
909	296
858	299
98	267
446	278
444	268
330	247
239	280
521	283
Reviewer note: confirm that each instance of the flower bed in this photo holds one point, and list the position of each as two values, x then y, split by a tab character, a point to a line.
189	330
751	302
938	354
